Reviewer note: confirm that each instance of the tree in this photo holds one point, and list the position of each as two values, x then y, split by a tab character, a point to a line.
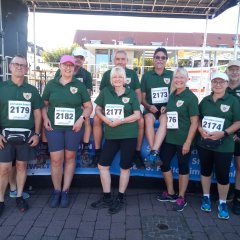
55	54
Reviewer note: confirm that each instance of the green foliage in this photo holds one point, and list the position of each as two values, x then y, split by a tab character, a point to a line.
54	55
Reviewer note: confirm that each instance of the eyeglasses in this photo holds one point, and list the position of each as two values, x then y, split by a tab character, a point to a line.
160	57
220	83
65	66
18	65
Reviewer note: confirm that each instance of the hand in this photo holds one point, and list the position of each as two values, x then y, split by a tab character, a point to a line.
77	125
116	123
186	148
33	141
2	141
163	110
204	134
216	135
236	138
153	109
47	125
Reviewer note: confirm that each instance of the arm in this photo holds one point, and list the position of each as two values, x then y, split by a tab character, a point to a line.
191	134
139	94
46	121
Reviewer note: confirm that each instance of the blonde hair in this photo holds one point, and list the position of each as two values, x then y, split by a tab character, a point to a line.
182	71
120	71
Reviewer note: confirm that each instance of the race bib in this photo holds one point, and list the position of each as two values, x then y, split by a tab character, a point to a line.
19	110
172	120
159	95
114	111
64	116
212	124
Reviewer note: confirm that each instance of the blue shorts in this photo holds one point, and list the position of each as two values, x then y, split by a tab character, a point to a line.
63	140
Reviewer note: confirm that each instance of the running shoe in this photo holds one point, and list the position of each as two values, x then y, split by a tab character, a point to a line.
21	204
13	194
223	211
180	204
206	204
65	200
102	203
116	206
55	199
151	159
166	197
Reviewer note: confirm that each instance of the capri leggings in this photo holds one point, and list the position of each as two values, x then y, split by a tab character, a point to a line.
112	146
218	161
168	151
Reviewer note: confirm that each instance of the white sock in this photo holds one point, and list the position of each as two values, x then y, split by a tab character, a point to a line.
222	201
206	195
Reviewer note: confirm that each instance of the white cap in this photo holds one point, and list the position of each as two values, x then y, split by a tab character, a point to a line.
234	63
79	52
221	75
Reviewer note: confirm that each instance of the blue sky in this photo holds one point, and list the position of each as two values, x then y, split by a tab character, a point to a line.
57	30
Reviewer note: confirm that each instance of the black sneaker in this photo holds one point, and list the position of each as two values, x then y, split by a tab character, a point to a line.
21	204
85	158
55	199
116	206
1	208
138	161
102	203
64	203
236	206
166	197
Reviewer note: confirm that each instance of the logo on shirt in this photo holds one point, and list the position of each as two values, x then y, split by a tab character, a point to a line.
179	103
128	80
238	94
224	108
166	80
73	90
125	99
80	79
27	96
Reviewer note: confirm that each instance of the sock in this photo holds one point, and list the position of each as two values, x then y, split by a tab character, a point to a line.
107	195
120	195
138	153
206	195
85	145
222	201
98	151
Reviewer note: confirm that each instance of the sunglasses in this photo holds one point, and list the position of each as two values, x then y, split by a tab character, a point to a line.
160	57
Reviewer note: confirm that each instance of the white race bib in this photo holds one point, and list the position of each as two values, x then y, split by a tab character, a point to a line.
114	111
64	116
19	110
159	95
212	124
172	120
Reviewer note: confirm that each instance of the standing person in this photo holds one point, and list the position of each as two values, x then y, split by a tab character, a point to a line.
67	105
233	72
21	119
182	123
155	86
132	81
119	109
220	119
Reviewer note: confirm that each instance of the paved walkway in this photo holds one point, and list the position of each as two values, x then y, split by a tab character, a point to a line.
142	218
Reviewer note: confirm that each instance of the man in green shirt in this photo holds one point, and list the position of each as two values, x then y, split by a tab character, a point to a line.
132	81
233	72
155	86
20	120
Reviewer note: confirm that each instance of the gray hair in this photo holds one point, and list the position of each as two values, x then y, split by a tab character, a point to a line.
120	71
181	70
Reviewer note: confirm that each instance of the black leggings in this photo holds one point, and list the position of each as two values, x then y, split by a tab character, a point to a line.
168	151
220	161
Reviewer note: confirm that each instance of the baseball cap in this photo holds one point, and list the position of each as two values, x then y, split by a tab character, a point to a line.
234	63
67	58
221	75
79	52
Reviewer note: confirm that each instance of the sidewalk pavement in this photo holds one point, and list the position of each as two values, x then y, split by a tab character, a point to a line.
142	218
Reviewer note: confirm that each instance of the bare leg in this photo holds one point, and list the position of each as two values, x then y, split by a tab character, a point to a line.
105	178
168	178
140	133
57	168
124	179
183	183
87	131
206	184
149	128
69	169
97	131
5	169
21	176
223	191
12	179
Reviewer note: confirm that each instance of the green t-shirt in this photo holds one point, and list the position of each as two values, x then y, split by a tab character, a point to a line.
225	109
129	102
65	102
82	75
132	80
181	106
157	87
235	92
17	104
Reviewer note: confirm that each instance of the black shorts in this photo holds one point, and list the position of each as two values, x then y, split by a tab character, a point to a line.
237	149
157	114
127	148
20	152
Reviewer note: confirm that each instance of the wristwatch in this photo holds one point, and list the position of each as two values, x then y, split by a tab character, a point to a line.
84	118
37	134
226	134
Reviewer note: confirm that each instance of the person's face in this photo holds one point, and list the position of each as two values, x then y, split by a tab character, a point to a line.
159	60
179	80
18	67
233	73
219	85
120	60
79	61
67	69
117	80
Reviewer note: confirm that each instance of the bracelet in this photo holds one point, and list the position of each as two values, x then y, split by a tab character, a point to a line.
37	134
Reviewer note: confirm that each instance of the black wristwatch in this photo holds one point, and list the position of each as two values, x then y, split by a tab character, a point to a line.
37	134
226	134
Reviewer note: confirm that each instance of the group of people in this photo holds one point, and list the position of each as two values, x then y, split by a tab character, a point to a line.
65	108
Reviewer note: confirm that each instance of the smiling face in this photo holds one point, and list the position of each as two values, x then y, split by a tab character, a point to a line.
180	80
159	60
219	85
67	69
233	73
18	67
120	59
79	61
